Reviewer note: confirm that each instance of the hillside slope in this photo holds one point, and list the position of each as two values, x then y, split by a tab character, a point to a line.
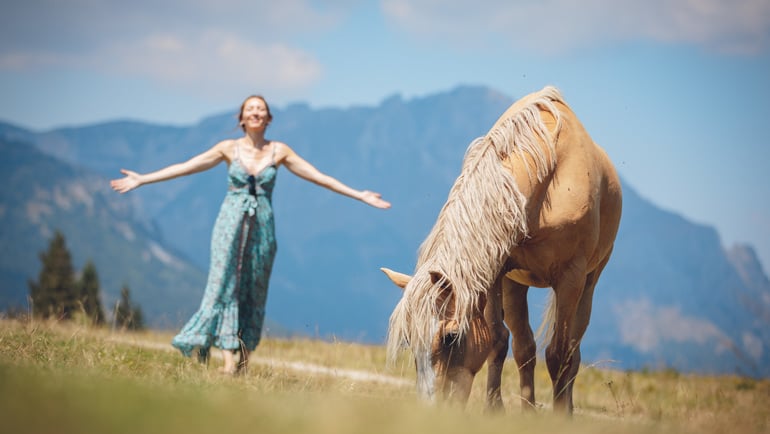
41	194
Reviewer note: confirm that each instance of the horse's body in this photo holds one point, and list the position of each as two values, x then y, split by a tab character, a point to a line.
537	203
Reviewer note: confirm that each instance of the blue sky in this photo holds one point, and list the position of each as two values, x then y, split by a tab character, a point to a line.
677	91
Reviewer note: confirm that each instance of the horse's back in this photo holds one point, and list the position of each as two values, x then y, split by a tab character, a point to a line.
575	213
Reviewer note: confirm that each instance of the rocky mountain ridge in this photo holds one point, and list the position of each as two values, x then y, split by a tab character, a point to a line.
671	296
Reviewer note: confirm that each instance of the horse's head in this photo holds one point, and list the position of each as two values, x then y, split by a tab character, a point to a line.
448	350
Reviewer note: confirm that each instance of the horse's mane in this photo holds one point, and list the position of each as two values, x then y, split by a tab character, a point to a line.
483	219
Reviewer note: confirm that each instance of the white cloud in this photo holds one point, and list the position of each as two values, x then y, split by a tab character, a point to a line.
213	63
211	47
556	26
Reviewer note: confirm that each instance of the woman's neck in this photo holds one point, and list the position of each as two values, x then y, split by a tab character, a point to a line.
255	139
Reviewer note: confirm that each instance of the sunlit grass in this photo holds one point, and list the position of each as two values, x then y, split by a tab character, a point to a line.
66	378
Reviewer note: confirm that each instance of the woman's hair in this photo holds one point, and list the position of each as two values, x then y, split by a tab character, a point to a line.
243	104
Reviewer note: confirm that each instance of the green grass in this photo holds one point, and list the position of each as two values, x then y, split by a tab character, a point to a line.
63	378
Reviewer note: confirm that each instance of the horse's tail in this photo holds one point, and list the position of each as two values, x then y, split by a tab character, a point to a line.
545	331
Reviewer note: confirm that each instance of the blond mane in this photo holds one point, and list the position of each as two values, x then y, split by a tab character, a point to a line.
483	219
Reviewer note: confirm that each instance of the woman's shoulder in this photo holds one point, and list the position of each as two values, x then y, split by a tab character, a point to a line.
225	144
226	147
281	150
229	143
279	145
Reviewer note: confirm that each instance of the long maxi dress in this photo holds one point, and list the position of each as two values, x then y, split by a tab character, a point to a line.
243	247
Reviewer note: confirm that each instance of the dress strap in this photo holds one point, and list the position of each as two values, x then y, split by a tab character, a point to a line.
237	150
273	157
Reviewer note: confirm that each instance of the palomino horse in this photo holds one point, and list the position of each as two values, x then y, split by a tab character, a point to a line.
537	203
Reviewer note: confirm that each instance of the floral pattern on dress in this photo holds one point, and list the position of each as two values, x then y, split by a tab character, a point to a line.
243	248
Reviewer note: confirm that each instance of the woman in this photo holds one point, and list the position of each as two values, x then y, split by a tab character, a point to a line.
243	241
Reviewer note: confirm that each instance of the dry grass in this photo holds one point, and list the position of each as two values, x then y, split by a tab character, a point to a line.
64	378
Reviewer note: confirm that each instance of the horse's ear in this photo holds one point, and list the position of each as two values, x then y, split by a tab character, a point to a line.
400	279
445	303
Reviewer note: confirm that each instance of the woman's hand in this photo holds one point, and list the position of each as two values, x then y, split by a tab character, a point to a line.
131	181
374	199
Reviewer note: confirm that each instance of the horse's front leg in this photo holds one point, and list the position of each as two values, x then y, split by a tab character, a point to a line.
499	348
516	310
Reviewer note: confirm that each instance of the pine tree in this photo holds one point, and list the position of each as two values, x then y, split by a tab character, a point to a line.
90	294
127	315
55	293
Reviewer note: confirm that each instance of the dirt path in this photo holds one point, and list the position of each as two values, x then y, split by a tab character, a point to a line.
351	374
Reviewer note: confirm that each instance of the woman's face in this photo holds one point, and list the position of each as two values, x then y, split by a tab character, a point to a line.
255	114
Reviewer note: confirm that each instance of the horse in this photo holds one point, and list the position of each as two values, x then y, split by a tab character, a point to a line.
537	204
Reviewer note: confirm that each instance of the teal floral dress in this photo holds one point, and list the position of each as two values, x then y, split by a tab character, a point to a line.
243	247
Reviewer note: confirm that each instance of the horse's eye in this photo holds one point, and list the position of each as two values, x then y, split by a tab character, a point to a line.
449	339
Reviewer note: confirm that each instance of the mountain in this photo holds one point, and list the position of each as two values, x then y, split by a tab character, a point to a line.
671	296
329	247
41	194
757	297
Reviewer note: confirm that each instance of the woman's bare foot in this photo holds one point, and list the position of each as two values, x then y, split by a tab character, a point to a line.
224	371
229	367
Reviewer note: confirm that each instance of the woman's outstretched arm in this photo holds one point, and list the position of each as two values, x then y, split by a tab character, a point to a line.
298	166
198	163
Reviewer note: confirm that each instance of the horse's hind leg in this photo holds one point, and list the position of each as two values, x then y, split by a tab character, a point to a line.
582	318
562	355
493	314
516	311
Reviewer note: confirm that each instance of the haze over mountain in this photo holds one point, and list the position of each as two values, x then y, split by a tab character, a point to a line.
671	296
42	194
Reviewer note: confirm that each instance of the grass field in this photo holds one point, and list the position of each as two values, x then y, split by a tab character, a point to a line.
62	378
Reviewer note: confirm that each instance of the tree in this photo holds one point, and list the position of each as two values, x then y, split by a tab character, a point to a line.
55	293
127	315
90	294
